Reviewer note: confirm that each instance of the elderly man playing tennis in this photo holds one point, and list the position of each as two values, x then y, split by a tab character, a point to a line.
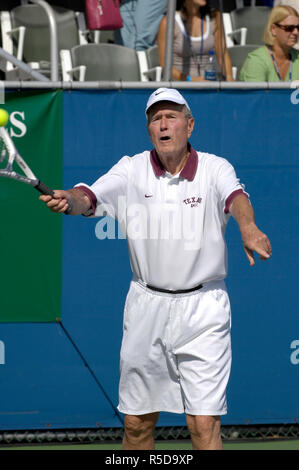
176	349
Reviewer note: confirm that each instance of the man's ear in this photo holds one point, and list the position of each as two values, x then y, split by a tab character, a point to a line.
190	126
149	133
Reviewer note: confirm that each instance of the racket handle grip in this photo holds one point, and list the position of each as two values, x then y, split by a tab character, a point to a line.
44	189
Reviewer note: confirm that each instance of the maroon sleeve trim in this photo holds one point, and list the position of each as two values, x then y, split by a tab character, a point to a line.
91	196
231	197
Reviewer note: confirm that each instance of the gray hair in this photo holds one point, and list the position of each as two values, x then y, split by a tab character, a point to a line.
182	107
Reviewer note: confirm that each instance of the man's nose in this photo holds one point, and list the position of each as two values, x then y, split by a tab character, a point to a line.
163	123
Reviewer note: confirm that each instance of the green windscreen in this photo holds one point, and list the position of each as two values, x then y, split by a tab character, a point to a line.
31	235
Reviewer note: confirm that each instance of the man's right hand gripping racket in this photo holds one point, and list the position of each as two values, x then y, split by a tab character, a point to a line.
8	156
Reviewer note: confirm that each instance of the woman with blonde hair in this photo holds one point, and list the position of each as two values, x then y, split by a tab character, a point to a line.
290	3
277	60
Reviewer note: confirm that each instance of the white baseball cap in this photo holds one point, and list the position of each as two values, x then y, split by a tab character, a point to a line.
165	94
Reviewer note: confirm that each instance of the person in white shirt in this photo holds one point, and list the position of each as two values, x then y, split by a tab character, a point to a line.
173	204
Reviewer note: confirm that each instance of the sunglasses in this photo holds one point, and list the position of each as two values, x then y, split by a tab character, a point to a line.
288	28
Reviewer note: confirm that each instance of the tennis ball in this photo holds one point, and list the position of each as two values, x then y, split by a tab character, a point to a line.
3	117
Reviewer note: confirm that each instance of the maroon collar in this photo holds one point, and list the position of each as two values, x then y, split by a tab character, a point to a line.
187	172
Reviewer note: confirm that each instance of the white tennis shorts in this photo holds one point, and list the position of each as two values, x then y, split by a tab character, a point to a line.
176	351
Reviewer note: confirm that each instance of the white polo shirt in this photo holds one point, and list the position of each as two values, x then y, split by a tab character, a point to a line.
174	225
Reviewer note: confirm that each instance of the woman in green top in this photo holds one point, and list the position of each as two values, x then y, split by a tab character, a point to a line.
277	60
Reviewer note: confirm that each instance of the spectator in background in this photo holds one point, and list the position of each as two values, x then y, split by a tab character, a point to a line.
277	60
198	29
291	3
141	19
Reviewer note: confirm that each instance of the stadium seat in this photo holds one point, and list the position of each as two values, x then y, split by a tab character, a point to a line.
26	35
96	62
150	65
238	55
245	25
154	71
102	36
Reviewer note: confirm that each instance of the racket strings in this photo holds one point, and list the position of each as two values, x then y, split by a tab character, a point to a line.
3	154
5	163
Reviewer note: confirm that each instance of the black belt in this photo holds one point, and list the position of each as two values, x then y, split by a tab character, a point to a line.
181	291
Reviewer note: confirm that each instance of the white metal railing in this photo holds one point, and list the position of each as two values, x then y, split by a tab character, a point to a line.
53	37
119	85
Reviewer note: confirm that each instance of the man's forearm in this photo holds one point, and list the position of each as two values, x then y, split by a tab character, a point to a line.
253	239
79	203
242	211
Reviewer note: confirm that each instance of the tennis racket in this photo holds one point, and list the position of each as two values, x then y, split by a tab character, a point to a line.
8	156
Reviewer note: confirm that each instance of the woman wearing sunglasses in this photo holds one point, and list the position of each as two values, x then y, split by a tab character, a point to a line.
290	3
277	60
